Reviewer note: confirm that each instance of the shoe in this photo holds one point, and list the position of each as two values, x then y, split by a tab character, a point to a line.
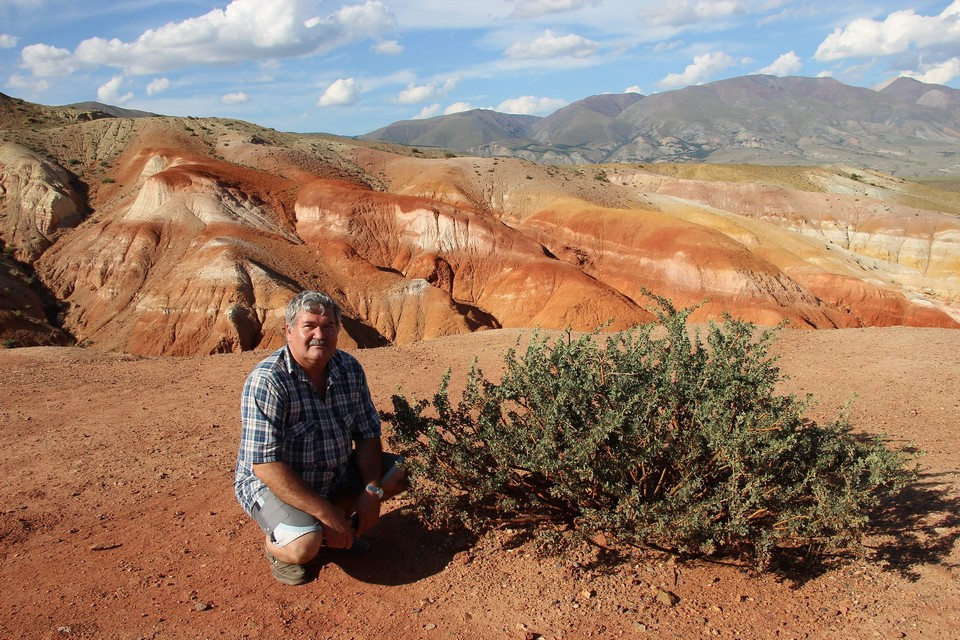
286	573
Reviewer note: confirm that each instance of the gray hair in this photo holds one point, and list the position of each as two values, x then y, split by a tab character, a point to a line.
312	302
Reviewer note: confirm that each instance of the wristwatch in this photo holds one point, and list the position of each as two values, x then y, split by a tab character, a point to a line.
374	490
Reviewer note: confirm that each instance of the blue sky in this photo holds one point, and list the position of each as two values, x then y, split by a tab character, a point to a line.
351	66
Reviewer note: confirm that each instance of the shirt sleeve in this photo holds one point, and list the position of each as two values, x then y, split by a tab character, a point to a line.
262	410
367	424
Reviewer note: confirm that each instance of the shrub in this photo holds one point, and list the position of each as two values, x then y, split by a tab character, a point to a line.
654	436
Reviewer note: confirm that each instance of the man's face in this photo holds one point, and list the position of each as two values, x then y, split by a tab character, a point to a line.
312	339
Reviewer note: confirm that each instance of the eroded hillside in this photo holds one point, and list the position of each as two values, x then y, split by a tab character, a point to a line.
188	236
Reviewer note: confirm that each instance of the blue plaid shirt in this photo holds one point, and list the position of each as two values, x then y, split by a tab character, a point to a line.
284	418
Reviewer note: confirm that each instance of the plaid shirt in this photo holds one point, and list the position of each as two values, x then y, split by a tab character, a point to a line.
284	418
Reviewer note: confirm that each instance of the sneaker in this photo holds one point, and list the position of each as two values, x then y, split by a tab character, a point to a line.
287	573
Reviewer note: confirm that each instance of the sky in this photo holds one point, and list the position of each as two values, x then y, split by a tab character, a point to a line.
349	67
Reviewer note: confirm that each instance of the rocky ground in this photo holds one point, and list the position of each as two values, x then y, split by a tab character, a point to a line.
119	519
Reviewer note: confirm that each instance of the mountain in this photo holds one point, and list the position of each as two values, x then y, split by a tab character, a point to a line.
461	130
908	128
184	236
928	95
110	110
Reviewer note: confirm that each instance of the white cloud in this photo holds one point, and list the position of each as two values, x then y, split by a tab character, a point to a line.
537	8
109	92
45	61
7	41
238	97
244	30
660	47
897	33
344	91
551	45
26	84
158	85
531	105
682	13
633	89
825	74
387	47
786	65
421	93
429	111
937	74
458	107
701	69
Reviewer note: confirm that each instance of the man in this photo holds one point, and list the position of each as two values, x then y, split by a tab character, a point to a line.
298	474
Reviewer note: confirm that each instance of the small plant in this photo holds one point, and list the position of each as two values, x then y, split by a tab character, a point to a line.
9	344
449	154
651	436
601	176
107	180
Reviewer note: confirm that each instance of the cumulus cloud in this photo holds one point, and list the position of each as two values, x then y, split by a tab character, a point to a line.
238	97
531	105
429	111
158	85
7	41
633	89
701	69
537	8
458	107
899	32
344	91
551	45
941	73
387	47
683	13
786	65
45	61
244	30
27	84
423	92
109	92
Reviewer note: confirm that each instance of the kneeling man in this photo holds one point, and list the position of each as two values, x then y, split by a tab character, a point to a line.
311	470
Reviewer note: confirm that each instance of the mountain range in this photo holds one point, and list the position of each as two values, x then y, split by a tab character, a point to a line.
905	128
181	236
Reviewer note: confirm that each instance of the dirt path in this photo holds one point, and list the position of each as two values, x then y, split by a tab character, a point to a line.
120	520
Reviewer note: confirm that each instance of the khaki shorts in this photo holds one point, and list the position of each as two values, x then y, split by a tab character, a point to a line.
283	524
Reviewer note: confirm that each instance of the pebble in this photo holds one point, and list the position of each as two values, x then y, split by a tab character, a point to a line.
429	626
202	606
667	598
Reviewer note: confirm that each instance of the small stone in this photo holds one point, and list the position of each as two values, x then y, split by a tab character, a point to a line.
202	606
105	546
667	598
429	626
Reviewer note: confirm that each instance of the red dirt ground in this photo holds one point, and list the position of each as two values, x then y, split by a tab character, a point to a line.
119	519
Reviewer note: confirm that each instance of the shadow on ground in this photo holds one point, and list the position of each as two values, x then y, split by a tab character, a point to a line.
919	526
402	551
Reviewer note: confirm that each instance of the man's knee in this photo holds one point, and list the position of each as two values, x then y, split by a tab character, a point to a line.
300	550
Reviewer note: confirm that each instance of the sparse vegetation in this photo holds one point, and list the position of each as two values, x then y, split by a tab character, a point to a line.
107	180
9	344
679	441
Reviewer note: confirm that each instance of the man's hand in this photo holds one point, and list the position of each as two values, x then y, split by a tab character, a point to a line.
337	530
368	510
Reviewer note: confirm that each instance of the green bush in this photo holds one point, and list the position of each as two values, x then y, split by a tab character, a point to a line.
654	436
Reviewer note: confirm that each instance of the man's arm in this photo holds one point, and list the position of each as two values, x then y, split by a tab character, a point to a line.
368	455
291	489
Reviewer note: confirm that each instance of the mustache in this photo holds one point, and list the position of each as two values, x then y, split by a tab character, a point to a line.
318	342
